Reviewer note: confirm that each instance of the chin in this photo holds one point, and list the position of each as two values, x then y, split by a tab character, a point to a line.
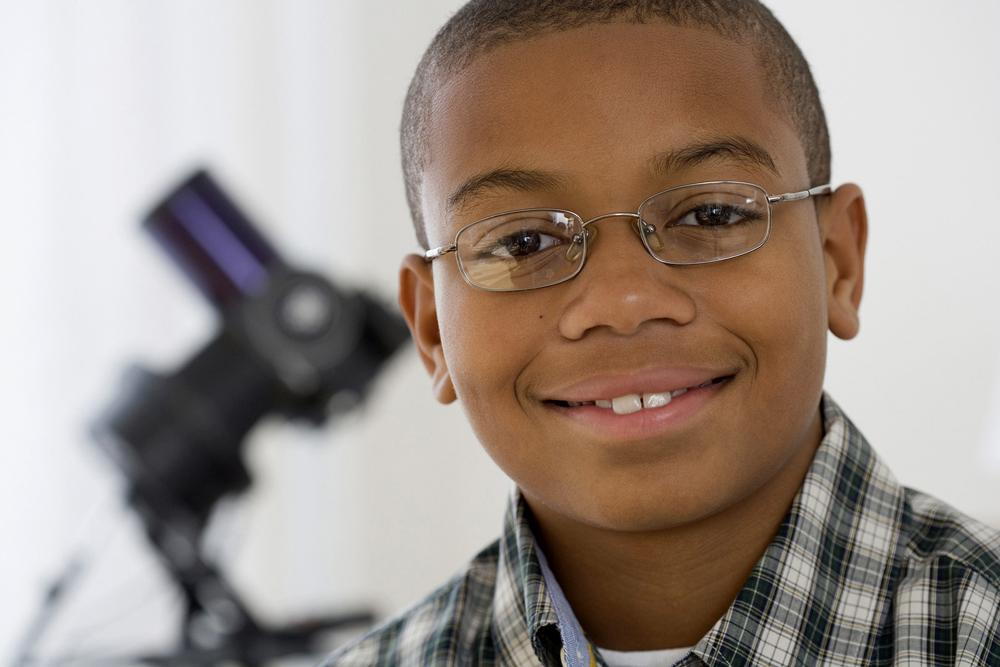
644	510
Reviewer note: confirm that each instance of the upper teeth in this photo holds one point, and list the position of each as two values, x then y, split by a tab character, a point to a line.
629	403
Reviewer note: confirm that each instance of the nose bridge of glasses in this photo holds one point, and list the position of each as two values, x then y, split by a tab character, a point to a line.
591	221
637	225
591	231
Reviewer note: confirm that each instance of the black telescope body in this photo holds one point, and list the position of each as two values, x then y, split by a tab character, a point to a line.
290	343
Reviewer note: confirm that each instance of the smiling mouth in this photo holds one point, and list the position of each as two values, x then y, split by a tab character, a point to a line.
632	403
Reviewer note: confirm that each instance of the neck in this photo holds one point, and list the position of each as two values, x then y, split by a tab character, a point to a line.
665	589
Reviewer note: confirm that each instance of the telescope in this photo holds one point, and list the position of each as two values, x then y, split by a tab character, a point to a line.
290	343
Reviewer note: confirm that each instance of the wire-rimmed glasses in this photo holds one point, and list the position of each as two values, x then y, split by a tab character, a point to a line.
698	223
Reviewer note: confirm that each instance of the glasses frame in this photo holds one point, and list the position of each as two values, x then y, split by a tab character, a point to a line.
799	195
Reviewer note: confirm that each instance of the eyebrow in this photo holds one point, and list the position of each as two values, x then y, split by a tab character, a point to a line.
737	149
504	178
664	163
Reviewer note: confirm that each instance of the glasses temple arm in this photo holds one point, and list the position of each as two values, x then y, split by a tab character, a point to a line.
434	253
801	194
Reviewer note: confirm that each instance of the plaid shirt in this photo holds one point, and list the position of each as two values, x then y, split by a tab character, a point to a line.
862	571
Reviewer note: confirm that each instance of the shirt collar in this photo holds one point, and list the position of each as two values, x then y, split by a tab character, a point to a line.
820	584
522	606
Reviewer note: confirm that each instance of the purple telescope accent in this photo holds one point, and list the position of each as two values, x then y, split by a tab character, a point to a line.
215	245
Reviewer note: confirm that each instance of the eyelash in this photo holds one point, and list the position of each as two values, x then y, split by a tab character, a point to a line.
745	215
503	242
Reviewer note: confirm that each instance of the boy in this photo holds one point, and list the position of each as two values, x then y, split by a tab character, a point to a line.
632	260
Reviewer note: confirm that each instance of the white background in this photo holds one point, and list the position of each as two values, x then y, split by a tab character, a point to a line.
295	105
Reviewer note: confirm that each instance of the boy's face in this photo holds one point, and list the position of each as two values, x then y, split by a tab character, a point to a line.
594	105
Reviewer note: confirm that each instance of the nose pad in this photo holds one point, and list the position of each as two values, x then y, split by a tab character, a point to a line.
576	246
648	233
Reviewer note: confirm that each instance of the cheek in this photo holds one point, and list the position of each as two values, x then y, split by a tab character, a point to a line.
488	339
773	301
784	310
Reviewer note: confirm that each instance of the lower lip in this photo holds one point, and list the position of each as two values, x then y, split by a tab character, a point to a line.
644	423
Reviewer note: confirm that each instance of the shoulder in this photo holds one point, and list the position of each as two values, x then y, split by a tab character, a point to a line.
947	600
454	620
938	533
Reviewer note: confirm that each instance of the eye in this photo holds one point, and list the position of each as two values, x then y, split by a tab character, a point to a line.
716	215
523	243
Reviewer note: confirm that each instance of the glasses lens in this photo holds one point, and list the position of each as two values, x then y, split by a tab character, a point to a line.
522	250
705	223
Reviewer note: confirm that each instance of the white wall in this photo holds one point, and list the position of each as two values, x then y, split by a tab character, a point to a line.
296	105
912	93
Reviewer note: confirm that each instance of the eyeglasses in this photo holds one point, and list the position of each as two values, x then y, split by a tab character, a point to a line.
698	223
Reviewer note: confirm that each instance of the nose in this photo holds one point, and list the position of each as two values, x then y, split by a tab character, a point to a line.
621	286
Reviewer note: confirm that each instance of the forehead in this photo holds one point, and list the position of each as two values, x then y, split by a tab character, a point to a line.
594	104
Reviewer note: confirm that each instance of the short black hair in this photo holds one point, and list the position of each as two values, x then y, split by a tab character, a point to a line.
483	25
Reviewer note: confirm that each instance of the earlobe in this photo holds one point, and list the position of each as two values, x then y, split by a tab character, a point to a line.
416	301
844	222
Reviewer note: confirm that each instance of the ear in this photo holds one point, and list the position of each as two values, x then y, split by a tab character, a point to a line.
416	300
844	235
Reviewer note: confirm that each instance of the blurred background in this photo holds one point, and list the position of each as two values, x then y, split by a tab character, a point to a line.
295	106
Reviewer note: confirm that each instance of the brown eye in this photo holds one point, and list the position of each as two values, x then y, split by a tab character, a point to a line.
523	243
716	215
